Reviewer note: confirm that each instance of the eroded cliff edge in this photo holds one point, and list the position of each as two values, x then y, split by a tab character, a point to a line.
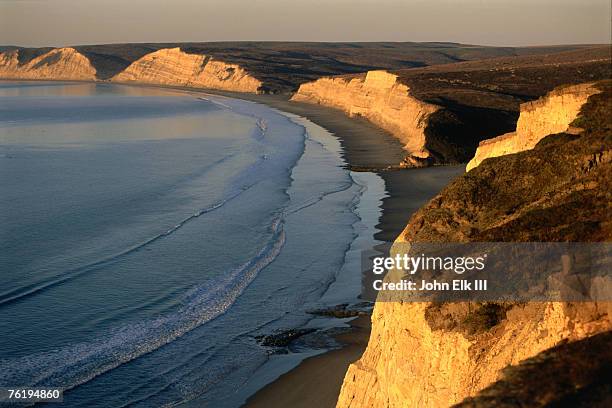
172	66
436	355
440	113
167	66
548	115
380	98
59	63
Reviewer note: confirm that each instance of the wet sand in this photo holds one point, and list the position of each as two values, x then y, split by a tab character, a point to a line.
316	382
367	146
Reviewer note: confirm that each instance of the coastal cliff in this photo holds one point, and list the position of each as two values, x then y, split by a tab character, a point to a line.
411	361
441	113
167	66
439	354
283	66
59	63
172	66
381	99
550	114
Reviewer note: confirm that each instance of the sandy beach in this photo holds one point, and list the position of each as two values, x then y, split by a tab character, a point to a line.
367	146
316	382
202	200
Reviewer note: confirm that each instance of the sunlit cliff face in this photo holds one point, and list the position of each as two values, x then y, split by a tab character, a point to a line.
380	98
548	115
171	66
162	67
60	63
436	355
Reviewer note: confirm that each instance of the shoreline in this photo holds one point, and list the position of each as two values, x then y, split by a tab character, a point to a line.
316	381
366	146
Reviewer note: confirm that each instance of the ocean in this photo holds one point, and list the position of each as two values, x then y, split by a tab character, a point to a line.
150	235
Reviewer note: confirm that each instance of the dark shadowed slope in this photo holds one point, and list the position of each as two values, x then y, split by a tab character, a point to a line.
481	99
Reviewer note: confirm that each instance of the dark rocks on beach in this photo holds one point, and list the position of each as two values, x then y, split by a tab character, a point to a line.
282	338
311	338
344	310
411	161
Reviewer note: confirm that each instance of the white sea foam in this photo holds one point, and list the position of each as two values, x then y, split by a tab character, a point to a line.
70	366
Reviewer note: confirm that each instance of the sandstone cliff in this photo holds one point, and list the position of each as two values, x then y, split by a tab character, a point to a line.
168	66
442	112
411	362
589	374
438	354
380	98
59	63
171	66
283	66
550	114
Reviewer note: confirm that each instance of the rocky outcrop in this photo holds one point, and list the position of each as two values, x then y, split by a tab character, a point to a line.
411	362
550	114
438	354
171	66
381	99
60	64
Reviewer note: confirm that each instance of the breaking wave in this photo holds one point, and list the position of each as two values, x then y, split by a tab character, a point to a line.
73	365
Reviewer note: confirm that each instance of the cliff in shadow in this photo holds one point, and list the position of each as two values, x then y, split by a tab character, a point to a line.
438	354
440	113
580	370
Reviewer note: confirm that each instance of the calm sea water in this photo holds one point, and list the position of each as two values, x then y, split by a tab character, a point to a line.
148	235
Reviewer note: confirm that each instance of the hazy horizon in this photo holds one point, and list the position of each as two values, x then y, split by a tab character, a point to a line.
39	23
